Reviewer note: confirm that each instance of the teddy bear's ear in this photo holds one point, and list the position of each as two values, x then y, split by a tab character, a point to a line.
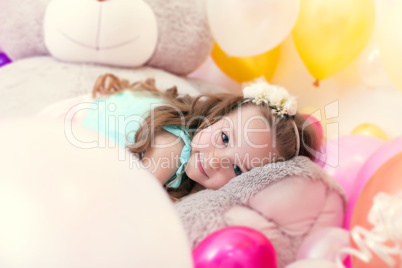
21	28
184	40
245	28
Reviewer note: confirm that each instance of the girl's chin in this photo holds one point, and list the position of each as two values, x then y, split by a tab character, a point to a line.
193	174
191	171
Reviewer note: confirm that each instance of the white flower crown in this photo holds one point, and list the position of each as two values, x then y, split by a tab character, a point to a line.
278	98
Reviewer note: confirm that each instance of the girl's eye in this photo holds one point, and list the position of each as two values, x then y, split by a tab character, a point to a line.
225	139
237	170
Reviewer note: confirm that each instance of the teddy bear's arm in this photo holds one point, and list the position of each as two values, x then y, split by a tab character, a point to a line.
293	204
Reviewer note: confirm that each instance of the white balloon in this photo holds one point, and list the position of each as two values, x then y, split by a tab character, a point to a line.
370	67
390	46
312	263
63	206
245	28
324	243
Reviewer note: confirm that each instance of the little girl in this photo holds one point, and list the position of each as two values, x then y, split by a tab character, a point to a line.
191	143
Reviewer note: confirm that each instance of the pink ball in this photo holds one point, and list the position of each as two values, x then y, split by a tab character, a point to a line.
384	153
344	157
235	246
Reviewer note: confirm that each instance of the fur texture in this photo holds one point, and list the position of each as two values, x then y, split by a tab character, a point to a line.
185	40
21	28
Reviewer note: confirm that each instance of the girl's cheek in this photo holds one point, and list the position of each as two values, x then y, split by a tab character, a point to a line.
205	140
196	141
219	180
206	136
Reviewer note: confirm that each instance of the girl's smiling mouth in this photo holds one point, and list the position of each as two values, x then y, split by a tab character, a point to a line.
199	165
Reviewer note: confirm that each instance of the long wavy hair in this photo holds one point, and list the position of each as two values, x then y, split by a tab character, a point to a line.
197	113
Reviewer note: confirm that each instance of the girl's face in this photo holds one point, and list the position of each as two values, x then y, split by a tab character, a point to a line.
233	145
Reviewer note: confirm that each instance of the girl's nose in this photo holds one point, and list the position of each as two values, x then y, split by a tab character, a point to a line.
214	163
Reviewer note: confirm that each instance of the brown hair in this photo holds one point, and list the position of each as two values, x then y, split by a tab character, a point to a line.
197	113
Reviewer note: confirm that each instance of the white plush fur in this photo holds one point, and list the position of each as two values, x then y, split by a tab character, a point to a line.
21	28
185	40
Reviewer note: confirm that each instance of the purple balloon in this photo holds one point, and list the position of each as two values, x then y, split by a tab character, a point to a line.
346	156
386	152
235	247
4	59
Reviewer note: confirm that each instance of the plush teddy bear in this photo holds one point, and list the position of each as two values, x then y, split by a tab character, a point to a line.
60	47
180	42
286	201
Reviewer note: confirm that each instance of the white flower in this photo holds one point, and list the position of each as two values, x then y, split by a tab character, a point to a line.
278	96
260	99
256	89
275	96
291	106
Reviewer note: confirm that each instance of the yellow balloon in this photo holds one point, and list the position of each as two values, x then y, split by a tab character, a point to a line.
370	130
391	44
248	68
330	34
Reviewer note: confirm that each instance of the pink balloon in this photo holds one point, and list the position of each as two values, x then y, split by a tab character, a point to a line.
381	156
235	247
345	156
324	243
347	262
